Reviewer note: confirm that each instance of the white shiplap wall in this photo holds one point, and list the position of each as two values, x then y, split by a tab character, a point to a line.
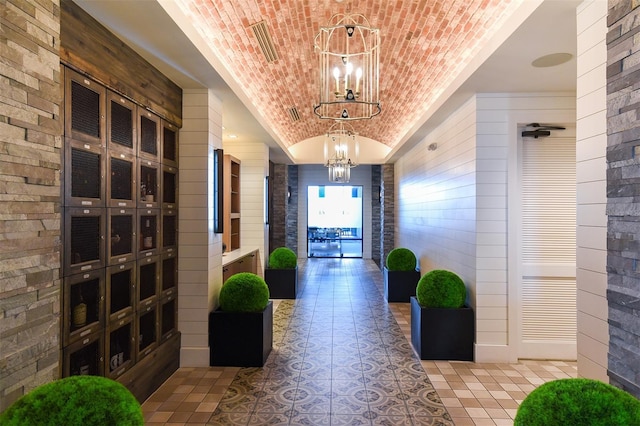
436	198
593	330
492	214
456	199
310	174
200	252
254	167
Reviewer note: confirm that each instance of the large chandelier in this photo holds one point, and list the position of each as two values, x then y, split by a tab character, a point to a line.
349	68
340	143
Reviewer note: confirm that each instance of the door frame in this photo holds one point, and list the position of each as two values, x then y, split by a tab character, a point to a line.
309	254
517	120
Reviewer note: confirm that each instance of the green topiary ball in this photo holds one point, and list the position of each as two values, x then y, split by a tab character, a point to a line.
283	258
244	292
76	401
401	259
441	289
578	402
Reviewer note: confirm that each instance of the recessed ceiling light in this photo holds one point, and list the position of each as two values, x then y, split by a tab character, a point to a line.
552	60
232	136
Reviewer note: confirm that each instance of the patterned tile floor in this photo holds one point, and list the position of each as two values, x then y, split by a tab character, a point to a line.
342	356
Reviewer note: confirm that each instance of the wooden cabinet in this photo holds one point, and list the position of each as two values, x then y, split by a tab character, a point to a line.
121	179
231	203
84	182
84	357
169	187
83	306
120	228
121	244
119	353
85	109
245	262
121	285
84	239
149	136
121	131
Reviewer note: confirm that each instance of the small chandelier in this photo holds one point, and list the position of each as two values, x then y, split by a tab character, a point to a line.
349	68
342	139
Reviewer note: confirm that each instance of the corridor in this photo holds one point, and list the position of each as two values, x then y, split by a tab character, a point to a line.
341	356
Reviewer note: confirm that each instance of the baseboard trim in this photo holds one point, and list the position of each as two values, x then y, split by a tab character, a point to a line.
493	353
194	357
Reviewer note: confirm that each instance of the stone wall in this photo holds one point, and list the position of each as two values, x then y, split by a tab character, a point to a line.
291	228
278	221
30	161
376	203
623	207
387	211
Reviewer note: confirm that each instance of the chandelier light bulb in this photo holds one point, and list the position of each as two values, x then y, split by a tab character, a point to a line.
341	151
347	75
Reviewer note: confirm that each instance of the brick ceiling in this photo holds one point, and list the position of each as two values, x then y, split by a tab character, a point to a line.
425	44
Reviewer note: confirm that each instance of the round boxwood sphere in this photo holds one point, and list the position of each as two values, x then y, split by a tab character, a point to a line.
578	402
283	258
76	401
441	289
244	292
401	259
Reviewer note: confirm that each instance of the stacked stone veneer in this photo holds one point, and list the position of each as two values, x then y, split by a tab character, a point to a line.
278	222
291	229
30	161
283	228
623	191
387	211
376	203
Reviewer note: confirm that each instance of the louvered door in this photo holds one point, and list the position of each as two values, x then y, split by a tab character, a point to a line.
548	282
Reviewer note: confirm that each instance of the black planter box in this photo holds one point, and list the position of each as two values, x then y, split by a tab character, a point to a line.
240	339
399	286
442	333
283	283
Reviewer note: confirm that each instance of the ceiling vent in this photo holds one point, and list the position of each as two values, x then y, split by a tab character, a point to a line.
293	113
261	31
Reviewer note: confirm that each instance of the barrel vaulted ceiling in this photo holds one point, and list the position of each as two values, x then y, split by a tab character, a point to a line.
429	50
